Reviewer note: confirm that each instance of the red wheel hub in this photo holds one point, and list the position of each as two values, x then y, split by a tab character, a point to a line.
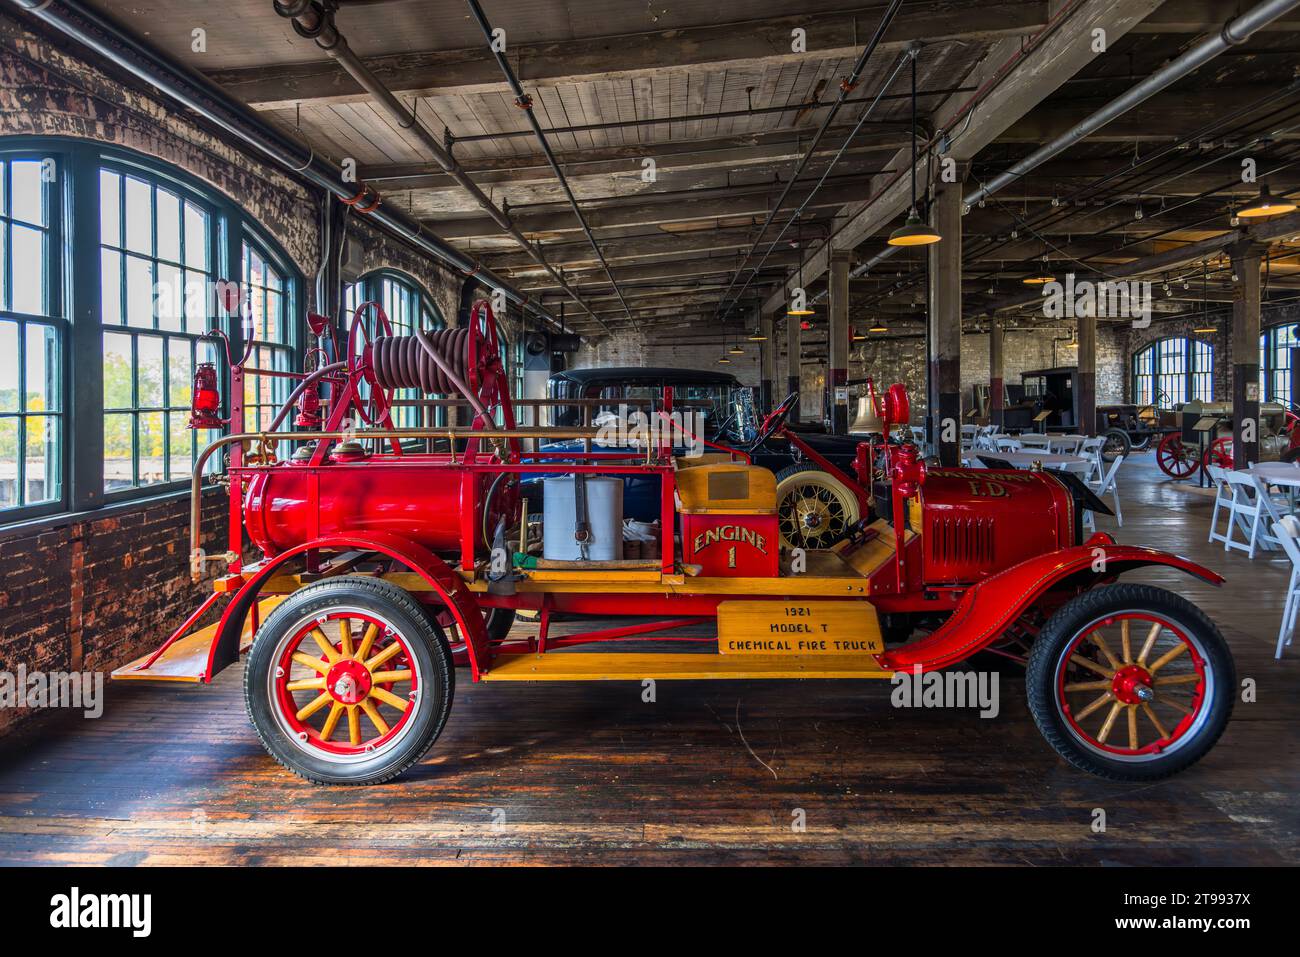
348	682
1132	684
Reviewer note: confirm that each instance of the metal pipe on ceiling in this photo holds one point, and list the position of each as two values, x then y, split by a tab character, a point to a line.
808	106
314	19
846	87
196	93
1234	32
525	103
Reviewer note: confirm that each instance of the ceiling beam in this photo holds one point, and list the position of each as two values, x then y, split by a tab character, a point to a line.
733	153
661	53
1035	76
675	209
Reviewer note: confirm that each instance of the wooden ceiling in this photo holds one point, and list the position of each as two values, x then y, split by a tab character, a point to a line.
712	92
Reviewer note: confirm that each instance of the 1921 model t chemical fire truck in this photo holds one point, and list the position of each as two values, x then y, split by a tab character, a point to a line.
389	556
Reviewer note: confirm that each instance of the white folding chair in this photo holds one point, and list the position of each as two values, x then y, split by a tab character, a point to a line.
1067	444
1035	440
1107	484
1006	443
1223	503
1090	449
1287	532
1250	508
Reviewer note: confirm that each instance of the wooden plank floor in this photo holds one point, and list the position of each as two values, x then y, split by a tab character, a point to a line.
710	773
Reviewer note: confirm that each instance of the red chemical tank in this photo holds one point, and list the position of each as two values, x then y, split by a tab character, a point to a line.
404	498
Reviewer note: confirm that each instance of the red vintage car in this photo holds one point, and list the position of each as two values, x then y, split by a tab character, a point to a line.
391	562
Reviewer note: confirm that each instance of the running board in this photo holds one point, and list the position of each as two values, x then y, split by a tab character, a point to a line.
637	666
187	658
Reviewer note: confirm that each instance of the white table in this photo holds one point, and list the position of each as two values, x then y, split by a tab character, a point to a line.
1023	460
1283	474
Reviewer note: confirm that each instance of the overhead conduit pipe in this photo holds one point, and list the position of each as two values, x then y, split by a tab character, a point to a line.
525	103
198	94
314	19
1234	32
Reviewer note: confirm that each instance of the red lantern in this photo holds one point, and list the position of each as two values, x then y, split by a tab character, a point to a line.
308	410
205	400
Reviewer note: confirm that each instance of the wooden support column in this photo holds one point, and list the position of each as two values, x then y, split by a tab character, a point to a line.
793	337
997	382
943	337
837	361
1085	395
767	360
1245	353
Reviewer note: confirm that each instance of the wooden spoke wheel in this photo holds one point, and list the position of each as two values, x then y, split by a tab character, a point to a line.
1176	458
1220	453
814	509
1130	682
348	681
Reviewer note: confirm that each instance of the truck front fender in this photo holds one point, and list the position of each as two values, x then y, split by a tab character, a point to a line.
444	582
989	607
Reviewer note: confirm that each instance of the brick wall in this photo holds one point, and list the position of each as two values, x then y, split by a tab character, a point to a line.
92	592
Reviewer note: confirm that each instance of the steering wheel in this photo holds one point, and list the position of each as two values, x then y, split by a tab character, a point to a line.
775	419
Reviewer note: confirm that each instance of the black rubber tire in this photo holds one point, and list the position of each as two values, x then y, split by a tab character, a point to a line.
1058	634
1142	444
1291	455
427	643
1116	437
498	622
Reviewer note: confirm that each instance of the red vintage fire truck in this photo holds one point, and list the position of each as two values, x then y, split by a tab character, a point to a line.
388	558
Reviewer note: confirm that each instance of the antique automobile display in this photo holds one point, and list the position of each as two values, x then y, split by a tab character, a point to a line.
1047	401
814	502
381	563
1199	434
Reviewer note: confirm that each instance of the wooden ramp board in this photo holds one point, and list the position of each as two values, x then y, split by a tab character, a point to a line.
637	666
187	659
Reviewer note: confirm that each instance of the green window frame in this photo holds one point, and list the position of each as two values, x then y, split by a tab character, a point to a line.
159	248
99	335
33	336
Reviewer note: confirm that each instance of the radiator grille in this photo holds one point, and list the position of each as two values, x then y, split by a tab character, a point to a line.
961	542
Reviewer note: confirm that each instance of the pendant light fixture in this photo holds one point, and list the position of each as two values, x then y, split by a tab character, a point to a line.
1207	327
737	350
1265	205
878	326
857	336
757	336
1041	276
913	232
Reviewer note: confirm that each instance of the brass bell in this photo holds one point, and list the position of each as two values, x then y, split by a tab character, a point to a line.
866	422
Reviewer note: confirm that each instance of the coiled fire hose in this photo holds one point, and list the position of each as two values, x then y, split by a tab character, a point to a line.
429	361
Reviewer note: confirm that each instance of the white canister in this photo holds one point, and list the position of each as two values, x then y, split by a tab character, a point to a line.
604	519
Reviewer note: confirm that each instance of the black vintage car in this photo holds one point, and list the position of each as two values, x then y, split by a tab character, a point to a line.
805	494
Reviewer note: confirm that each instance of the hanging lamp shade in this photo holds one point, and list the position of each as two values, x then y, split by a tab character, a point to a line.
913	233
723	360
757	336
736	350
1266	205
857	336
879	327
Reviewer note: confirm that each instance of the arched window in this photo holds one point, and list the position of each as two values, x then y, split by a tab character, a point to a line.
1173	370
408	307
144	249
1275	345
